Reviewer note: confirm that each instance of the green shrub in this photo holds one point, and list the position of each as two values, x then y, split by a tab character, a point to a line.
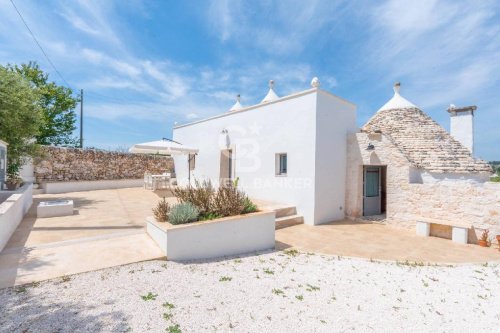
184	212
201	195
209	216
161	211
228	201
249	207
495	179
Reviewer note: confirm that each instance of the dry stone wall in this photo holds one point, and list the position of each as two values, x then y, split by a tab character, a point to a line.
72	164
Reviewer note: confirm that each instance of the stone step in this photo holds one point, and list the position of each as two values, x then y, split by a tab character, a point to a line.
288	221
285	211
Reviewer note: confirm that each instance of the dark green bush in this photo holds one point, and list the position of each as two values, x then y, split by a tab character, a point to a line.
249	206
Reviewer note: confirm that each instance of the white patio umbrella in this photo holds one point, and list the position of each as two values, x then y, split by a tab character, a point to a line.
162	147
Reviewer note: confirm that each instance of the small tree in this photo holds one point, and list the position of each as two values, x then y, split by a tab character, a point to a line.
57	104
20	119
498	171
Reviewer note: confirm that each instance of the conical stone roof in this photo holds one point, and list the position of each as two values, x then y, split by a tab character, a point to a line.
425	143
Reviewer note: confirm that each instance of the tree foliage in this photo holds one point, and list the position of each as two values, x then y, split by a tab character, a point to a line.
57	104
20	118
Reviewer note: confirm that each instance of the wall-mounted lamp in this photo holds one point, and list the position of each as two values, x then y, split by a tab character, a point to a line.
370	147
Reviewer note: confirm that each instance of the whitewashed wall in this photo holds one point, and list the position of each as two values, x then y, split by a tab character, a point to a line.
12	211
289	126
335	119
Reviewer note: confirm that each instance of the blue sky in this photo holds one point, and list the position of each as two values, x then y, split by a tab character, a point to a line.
145	65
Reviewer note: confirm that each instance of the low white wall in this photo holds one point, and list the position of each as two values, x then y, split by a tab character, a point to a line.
12	211
27	172
65	187
211	239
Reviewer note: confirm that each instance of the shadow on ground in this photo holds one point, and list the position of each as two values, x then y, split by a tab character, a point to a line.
23	310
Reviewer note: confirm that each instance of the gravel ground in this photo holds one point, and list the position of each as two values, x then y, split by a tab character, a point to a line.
270	292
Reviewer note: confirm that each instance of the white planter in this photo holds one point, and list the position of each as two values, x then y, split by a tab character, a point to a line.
12	211
216	238
54	208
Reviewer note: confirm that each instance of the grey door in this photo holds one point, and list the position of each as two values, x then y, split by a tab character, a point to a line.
372	194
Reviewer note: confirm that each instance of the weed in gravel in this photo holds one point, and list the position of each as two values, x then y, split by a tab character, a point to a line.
167	316
174	329
35	284
411	264
19	290
268	271
291	252
164	266
311	287
322	321
299	297
65	278
168	305
225	278
238	261
426	284
278	292
149	297
155	271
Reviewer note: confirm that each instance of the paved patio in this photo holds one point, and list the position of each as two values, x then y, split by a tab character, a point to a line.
106	230
376	241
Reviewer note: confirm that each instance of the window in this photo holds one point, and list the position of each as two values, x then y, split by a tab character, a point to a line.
281	164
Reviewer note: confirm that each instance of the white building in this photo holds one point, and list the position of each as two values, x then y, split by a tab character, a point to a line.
289	150
305	150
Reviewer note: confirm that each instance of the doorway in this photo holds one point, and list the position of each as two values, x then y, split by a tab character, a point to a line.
374	190
226	166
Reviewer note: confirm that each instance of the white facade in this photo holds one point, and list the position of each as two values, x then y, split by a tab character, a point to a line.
310	127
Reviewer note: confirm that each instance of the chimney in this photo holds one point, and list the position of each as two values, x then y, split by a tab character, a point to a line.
462	125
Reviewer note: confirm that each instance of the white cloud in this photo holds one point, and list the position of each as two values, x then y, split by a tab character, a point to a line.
279	28
445	51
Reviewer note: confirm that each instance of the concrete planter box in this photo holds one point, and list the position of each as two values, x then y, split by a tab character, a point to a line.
228	236
54	208
13	206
